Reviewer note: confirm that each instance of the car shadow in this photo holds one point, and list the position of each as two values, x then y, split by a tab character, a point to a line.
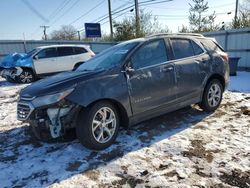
31	162
5	83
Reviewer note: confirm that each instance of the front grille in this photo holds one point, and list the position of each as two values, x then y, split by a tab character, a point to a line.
23	111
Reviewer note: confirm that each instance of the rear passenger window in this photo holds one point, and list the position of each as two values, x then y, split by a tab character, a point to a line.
197	49
182	48
65	51
79	50
152	53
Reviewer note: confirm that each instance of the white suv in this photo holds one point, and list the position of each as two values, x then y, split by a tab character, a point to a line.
44	61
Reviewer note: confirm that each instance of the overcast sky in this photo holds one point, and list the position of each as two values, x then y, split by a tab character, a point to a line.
20	18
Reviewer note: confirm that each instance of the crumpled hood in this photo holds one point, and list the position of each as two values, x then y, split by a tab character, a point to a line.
57	83
14	60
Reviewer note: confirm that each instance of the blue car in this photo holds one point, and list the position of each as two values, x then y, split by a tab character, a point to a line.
43	61
10	67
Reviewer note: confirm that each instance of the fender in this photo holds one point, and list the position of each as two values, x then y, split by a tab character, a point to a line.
102	88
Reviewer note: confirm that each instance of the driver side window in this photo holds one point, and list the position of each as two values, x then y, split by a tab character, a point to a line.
152	53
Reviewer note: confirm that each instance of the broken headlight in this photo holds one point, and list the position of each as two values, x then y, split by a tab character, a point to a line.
51	99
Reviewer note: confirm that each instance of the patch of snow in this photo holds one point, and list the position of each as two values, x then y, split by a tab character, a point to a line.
186	148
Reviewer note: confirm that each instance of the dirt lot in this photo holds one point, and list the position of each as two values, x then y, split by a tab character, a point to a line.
186	148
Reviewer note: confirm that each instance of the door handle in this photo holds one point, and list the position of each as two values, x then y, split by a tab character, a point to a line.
167	69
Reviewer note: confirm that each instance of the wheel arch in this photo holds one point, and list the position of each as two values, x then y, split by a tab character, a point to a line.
28	68
120	108
212	77
77	65
218	77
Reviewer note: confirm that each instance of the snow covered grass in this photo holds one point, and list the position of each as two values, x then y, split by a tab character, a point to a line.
186	148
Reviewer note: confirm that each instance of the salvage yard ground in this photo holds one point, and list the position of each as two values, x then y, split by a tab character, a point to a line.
186	148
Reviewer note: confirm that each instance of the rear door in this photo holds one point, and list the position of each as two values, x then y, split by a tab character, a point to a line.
66	59
45	61
152	80
81	54
191	63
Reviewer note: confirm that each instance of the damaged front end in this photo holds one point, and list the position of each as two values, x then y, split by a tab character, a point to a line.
49	116
11	72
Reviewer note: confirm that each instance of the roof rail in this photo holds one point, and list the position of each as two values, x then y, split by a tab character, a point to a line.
169	34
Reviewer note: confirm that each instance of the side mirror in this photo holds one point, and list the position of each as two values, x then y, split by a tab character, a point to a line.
36	57
129	69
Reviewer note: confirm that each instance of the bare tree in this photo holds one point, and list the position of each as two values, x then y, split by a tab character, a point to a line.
66	32
126	29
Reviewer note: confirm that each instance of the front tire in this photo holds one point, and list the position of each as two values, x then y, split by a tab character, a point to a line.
98	125
27	76
212	96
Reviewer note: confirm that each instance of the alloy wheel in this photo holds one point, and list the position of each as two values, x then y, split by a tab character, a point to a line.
214	95
26	77
104	125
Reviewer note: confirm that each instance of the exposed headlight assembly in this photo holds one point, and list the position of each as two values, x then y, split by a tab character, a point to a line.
51	99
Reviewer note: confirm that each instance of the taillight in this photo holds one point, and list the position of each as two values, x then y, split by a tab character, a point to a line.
224	56
92	54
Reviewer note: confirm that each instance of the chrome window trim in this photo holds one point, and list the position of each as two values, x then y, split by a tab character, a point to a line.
171	61
151	66
186	58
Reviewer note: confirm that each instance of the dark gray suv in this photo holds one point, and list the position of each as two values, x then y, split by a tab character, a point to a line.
128	83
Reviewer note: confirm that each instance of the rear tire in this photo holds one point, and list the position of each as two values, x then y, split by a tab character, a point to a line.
27	76
212	96
97	126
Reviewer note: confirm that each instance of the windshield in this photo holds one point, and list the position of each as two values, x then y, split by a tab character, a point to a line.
108	58
29	54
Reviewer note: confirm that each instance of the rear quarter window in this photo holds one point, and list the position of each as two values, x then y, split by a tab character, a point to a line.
79	50
210	45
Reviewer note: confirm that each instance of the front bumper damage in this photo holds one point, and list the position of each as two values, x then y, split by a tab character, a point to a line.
48	121
11	72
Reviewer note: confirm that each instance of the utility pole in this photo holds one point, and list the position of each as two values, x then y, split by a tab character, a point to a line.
236	12
110	20
79	36
44	31
137	18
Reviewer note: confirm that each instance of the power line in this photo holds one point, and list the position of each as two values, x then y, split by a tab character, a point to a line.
53	14
87	12
128	7
34	10
57	10
116	11
65	12
181	16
